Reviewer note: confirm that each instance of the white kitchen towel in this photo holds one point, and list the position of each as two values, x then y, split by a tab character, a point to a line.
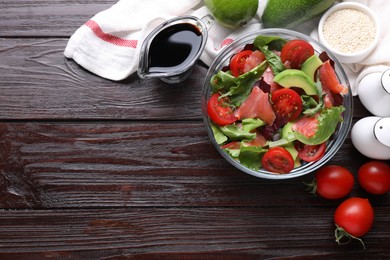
379	59
108	44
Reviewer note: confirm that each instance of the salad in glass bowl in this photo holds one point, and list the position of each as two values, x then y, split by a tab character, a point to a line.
277	104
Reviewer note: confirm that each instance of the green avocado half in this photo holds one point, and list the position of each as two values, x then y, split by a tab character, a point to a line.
290	13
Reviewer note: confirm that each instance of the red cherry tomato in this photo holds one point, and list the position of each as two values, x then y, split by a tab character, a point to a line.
278	160
332	182
296	52
354	218
287	104
329	79
219	111
310	153
237	63
374	177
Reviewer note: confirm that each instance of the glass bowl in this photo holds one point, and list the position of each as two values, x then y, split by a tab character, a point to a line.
333	144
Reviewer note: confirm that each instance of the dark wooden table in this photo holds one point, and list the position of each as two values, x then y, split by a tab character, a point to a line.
95	169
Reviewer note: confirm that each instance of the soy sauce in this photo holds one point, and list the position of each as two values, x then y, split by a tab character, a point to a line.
174	48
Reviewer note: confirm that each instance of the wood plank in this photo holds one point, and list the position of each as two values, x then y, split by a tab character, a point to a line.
47	18
38	82
72	165
177	233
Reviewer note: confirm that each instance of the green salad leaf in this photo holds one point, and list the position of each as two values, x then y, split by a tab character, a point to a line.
236	132
328	119
267	45
273	42
311	106
237	89
219	137
250	156
273	60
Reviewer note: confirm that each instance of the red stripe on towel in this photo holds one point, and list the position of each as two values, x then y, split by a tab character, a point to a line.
94	26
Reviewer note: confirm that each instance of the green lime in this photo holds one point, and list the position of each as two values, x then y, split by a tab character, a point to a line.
232	13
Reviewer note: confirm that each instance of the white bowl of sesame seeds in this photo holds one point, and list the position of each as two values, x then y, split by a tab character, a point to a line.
350	31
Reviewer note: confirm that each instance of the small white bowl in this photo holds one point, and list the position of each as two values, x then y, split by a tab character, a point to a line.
349	57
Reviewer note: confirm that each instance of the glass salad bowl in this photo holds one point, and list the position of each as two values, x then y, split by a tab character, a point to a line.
245	118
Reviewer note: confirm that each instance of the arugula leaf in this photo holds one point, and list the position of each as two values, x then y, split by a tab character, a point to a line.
223	81
273	60
311	106
240	87
273	42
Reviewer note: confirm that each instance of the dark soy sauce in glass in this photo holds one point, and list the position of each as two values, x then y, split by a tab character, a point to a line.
174	48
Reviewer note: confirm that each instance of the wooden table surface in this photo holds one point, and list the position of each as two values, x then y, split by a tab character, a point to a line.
95	169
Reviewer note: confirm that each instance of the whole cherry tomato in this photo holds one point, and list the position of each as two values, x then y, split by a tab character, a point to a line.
374	177
332	182
353	218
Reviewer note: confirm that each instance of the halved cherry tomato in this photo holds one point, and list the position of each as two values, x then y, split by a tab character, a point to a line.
329	80
310	153
286	103
354	218
332	182
219	111
278	160
237	63
296	52
374	177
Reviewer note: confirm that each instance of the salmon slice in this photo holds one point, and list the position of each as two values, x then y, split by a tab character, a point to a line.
306	126
257	105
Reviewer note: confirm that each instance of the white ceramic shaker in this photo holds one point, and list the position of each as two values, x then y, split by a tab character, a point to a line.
374	93
371	137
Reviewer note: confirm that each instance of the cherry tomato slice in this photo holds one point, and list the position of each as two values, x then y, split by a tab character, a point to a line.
329	80
296	52
287	104
310	153
219	110
237	63
278	160
374	177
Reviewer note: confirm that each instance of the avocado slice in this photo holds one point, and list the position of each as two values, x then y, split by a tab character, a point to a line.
311	65
296	78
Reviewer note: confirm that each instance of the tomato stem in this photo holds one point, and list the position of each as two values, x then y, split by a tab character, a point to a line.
341	233
311	187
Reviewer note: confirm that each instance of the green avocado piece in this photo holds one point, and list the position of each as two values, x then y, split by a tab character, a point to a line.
296	78
288	13
311	65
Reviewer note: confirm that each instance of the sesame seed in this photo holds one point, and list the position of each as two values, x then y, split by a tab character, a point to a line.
349	30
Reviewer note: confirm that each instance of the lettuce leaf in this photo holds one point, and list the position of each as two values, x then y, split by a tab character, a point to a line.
237	89
328	120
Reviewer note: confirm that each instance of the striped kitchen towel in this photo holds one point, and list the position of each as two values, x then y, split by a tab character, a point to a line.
108	44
